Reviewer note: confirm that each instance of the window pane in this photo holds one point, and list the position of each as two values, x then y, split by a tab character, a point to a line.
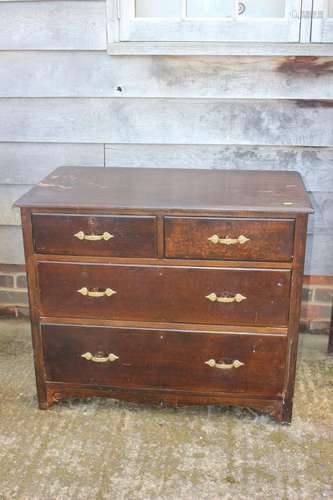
157	8
210	8
262	8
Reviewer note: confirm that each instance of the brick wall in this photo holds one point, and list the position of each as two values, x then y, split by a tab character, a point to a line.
13	291
316	304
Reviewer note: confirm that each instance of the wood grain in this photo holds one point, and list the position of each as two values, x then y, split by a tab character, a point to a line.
294	317
10	215
34	310
165	294
318	253
170	189
28	163
60	25
158	359
131	299
315	164
268	239
227	122
220	49
320	221
131	236
64	74
11	248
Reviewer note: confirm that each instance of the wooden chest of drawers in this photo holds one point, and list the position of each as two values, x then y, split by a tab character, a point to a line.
175	286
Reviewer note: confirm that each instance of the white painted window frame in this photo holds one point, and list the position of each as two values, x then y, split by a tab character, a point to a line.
322	25
128	35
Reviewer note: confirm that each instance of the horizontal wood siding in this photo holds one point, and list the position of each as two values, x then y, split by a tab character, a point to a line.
168	121
319	251
55	25
28	163
64	101
96	74
315	164
11	249
10	215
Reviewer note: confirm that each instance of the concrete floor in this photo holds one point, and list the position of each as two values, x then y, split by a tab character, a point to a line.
104	449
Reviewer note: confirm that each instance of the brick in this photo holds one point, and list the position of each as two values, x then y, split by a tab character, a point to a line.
7	311
320	327
14	312
315	312
11	268
22	312
13	297
318	280
6	281
21	281
307	294
324	295
314	327
304	326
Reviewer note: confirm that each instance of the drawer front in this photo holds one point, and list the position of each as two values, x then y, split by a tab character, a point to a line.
159	359
94	235
229	239
160	293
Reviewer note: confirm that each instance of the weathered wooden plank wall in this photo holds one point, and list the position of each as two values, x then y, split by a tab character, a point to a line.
56	25
64	101
96	74
165	121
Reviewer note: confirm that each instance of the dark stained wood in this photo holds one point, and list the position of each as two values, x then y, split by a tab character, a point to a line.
186	189
275	330
294	317
160	322
34	311
57	391
246	264
159	359
159	293
132	236
330	341
269	240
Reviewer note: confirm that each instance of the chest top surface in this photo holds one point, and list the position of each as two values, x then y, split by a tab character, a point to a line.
170	189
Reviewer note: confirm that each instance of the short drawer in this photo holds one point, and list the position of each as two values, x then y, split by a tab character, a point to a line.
94	235
165	293
229	238
160	359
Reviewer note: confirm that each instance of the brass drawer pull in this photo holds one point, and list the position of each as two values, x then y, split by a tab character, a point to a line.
98	358
93	237
224	366
226	300
228	241
108	292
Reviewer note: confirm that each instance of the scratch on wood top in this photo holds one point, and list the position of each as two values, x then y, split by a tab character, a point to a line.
57	186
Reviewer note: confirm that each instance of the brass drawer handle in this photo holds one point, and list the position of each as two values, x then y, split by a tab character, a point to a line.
224	366
108	292
93	237
98	358
226	300
228	241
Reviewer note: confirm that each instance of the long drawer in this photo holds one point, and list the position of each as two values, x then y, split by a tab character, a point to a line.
229	238
165	294
190	361
94	235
